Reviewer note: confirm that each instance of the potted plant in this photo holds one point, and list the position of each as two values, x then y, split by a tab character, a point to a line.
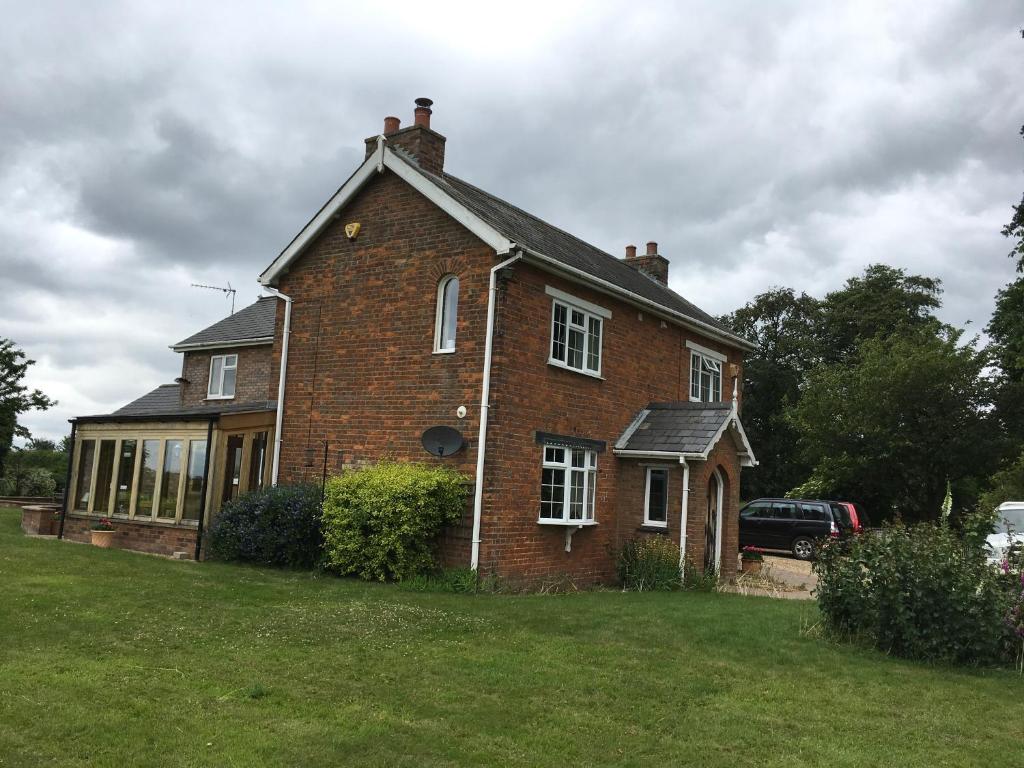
103	533
752	559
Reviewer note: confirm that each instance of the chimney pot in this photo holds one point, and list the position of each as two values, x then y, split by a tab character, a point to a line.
422	112
652	248
391	125
630	251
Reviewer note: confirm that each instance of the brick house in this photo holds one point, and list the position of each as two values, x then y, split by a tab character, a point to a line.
146	466
597	405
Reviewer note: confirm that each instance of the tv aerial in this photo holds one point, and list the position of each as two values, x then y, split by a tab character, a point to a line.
442	441
229	291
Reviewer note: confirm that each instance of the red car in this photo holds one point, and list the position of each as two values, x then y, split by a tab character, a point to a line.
853	515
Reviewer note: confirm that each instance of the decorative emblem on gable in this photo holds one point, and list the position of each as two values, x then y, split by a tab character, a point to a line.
352	230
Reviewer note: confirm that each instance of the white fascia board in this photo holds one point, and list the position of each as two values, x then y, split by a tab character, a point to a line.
747	452
385	158
568	298
501	244
323	217
633	427
649	454
579	276
706	351
223	344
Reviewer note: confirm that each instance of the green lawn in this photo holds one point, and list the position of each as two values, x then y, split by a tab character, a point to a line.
111	658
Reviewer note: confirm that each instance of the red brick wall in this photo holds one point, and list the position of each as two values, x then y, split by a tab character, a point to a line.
252	381
361	375
142	537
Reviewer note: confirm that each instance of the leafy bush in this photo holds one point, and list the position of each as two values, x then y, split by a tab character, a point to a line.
649	564
919	592
382	522
273	526
33	481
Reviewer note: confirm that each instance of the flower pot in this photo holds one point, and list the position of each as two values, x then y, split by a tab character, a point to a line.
752	566
103	539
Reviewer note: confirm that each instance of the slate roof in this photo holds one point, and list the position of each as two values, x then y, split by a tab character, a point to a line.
675	427
537	235
164	402
249	324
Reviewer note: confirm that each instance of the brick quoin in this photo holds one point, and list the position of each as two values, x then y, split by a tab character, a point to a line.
363	377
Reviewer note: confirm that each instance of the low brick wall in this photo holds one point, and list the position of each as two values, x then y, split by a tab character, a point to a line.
40	520
155	538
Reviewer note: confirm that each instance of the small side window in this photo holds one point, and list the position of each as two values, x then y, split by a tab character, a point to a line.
656	501
223	373
447	314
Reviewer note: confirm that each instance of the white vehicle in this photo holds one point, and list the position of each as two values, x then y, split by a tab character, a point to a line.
1009	518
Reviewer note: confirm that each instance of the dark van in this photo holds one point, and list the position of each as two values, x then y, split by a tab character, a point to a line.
792	525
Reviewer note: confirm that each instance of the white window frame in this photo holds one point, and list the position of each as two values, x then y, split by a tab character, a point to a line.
439	315
647	497
589	472
705	362
218	394
588	318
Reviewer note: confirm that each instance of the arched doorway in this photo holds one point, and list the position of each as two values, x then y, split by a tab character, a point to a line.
713	524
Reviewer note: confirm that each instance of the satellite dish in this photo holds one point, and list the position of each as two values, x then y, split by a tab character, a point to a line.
442	441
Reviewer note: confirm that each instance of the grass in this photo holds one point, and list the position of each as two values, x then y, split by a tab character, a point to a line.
111	658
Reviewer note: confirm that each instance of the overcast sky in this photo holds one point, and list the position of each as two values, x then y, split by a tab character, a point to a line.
147	146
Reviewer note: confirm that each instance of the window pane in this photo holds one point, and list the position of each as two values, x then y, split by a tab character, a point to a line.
232	467
579	458
552	493
194	480
591	492
576	496
125	477
554	455
104	476
86	454
257	460
229	382
216	365
594	345
449	312
231	361
147	478
169	481
558	334
695	376
783	511
577	318
575	348
657	496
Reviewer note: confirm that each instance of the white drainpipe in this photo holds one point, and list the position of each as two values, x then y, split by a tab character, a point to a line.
279	422
485	395
684	513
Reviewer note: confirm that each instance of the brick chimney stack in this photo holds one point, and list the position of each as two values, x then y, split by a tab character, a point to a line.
651	263
425	145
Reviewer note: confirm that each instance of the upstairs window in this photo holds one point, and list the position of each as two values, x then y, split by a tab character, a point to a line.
568	485
575	338
447	314
223	371
705	374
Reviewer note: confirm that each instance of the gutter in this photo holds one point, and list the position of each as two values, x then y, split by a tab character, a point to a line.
485	405
279	420
615	290
255	342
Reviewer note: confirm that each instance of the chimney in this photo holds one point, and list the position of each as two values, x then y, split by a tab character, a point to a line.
651	263
419	140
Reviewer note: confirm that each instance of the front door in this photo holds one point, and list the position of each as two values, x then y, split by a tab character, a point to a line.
711	526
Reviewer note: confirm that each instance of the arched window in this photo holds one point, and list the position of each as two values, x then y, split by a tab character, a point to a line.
447	314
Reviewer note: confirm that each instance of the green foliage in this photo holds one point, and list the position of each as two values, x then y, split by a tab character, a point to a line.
919	592
38	470
31	481
889	426
696	580
382	522
1006	331
650	564
459	581
15	397
277	526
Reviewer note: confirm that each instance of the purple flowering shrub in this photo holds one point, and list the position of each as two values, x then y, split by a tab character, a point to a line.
277	526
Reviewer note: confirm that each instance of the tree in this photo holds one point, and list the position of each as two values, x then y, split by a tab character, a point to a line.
1006	331
891	424
782	326
883	300
15	397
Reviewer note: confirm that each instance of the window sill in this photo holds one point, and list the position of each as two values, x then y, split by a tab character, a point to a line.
220	397
444	352
653	528
163	522
567	523
557	364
